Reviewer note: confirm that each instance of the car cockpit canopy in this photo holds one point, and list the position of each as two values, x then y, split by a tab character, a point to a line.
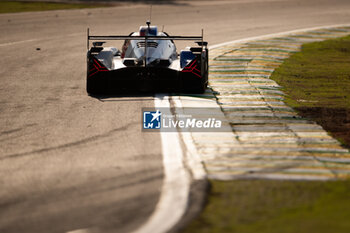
148	31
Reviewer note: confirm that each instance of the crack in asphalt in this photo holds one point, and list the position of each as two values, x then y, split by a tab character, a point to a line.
70	144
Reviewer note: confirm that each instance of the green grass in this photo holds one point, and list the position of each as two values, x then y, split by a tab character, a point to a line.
317	83
270	206
317	76
14	6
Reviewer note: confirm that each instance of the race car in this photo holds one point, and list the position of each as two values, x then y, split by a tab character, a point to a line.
147	62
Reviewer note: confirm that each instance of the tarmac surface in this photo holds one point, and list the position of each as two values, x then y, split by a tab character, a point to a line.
70	161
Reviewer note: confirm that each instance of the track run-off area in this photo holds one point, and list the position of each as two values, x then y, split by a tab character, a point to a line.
73	163
269	140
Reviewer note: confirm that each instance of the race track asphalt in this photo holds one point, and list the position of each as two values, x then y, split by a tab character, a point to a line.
70	161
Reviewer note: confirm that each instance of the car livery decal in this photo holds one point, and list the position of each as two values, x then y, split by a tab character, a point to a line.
97	67
192	68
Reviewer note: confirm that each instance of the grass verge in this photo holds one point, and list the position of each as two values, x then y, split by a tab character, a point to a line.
317	83
15	6
272	206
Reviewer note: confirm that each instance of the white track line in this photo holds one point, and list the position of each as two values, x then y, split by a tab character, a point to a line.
38	39
176	185
193	158
274	35
17	42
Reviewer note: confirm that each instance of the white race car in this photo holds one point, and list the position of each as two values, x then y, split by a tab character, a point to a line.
147	62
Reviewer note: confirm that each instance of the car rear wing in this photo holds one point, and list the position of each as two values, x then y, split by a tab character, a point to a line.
197	39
